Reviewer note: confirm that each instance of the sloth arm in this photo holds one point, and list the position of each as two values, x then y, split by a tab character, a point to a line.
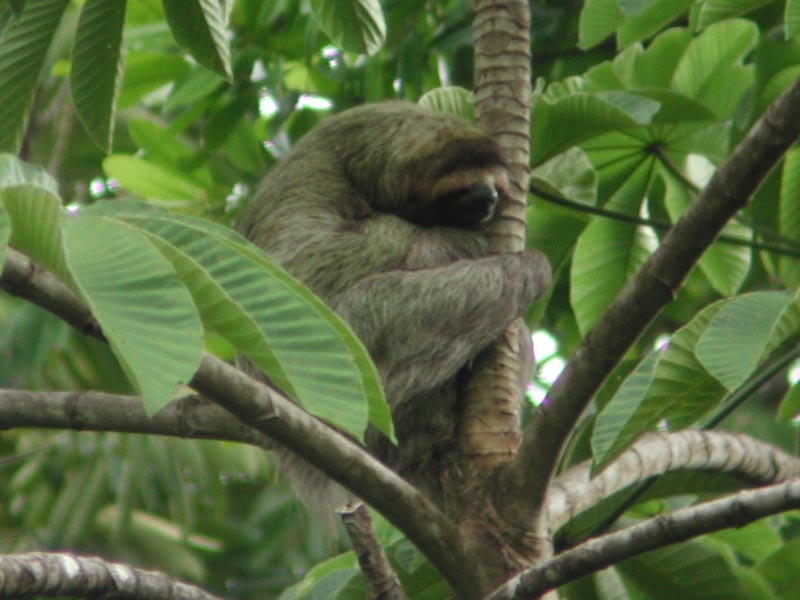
422	326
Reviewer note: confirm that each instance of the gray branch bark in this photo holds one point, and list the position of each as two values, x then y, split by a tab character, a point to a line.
62	574
681	525
655	454
273	415
188	417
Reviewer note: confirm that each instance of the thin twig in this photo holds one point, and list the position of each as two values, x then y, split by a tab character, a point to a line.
382	581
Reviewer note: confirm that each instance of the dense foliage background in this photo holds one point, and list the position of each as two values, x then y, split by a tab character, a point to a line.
636	104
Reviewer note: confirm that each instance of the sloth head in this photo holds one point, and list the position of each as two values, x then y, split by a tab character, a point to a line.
428	168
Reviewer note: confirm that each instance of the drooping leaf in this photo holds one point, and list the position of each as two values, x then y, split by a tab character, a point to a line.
725	265
97	67
146	314
199	27
264	313
36	218
667	386
739	335
353	25
621	421
23	47
608	253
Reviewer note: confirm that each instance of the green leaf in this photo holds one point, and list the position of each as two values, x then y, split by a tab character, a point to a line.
23	48
780	570
267	315
35	214
353	25
738	337
197	84
598	20
5	233
790	405
163	148
669	385
146	72
13	172
791	18
199	27
649	18
566	121
654	67
713	11
451	100
711	69
608	253
153	181
97	66
689	571
621	422
789	216
324	580
146	314
725	265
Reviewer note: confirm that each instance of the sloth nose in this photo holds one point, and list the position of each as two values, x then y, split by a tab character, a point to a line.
483	199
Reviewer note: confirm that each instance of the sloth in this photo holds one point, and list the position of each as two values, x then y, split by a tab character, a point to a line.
382	212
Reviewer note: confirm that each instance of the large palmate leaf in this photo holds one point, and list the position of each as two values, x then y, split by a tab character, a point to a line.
712	71
725	265
97	65
23	47
608	253
353	25
558	123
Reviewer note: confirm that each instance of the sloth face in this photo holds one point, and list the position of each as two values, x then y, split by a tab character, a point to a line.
464	199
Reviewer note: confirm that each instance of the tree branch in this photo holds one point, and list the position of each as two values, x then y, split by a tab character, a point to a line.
382	581
490	420
657	453
651	289
188	417
681	525
62	574
269	412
